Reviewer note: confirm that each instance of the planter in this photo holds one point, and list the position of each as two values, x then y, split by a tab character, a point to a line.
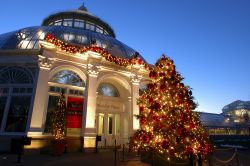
59	147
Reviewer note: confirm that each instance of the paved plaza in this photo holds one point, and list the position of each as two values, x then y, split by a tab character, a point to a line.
107	158
104	158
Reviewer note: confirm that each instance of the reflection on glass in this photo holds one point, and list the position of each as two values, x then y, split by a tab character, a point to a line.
58	23
67	77
81	39
99	29
68	37
79	24
2	106
101	124
18	114
110	125
57	89
90	26
67	22
51	107
106	33
107	89
142	89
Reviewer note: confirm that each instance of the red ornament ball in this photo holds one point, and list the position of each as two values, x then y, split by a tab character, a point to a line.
151	100
141	109
156	106
181	85
145	138
139	61
191	125
50	36
189	150
172	127
163	87
153	74
162	74
142	121
165	144
182	132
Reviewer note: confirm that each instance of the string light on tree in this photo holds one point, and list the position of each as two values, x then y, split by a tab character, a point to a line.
167	123
59	119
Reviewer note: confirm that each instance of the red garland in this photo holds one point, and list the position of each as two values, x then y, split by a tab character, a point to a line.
111	58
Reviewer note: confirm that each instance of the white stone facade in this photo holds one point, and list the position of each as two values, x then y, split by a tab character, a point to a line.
111	117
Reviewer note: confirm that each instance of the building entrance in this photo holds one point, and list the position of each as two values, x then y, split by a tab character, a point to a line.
109	126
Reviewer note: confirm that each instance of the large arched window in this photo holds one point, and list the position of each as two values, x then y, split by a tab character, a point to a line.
71	84
16	88
15	75
67	77
107	89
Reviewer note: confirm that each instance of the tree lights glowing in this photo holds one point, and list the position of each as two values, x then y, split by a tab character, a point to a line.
167	123
59	119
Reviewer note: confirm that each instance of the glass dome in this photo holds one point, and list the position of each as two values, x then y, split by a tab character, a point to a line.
28	38
236	105
76	27
79	19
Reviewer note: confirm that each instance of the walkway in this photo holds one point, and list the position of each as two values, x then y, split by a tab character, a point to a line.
78	159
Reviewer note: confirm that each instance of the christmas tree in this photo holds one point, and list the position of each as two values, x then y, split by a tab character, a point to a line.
59	119
167	123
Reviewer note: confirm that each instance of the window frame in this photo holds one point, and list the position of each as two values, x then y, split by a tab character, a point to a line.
10	94
113	87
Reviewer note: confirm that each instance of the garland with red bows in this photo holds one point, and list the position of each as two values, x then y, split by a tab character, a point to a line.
134	60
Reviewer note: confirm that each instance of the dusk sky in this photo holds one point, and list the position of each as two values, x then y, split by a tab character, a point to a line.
209	40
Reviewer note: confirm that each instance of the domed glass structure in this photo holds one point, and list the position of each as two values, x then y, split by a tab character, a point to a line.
77	27
101	86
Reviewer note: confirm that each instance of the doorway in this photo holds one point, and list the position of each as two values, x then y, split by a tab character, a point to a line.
109	127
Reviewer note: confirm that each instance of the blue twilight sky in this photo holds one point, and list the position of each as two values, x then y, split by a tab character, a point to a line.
209	40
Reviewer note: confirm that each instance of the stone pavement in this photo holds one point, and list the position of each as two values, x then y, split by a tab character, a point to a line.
104	158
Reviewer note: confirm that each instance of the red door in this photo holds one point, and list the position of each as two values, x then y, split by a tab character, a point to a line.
74	116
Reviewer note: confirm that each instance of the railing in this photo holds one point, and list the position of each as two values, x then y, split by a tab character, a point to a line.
220	157
233	159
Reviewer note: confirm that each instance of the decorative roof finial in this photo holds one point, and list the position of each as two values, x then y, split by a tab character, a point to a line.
83	7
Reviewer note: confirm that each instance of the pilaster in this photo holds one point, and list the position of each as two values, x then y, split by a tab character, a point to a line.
135	84
39	107
90	107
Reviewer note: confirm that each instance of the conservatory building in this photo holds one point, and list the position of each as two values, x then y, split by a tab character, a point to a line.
39	63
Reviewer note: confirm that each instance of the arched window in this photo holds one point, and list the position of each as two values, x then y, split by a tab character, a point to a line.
73	87
16	88
67	77
107	89
15	75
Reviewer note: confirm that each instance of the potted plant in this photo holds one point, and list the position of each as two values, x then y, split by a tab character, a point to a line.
59	126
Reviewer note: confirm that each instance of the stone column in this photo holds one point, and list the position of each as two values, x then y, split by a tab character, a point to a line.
41	95
135	81
127	116
90	107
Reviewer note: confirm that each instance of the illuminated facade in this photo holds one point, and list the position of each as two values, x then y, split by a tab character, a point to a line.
234	119
101	96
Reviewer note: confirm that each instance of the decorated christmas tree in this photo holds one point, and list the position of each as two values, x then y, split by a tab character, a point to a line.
59	119
168	124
